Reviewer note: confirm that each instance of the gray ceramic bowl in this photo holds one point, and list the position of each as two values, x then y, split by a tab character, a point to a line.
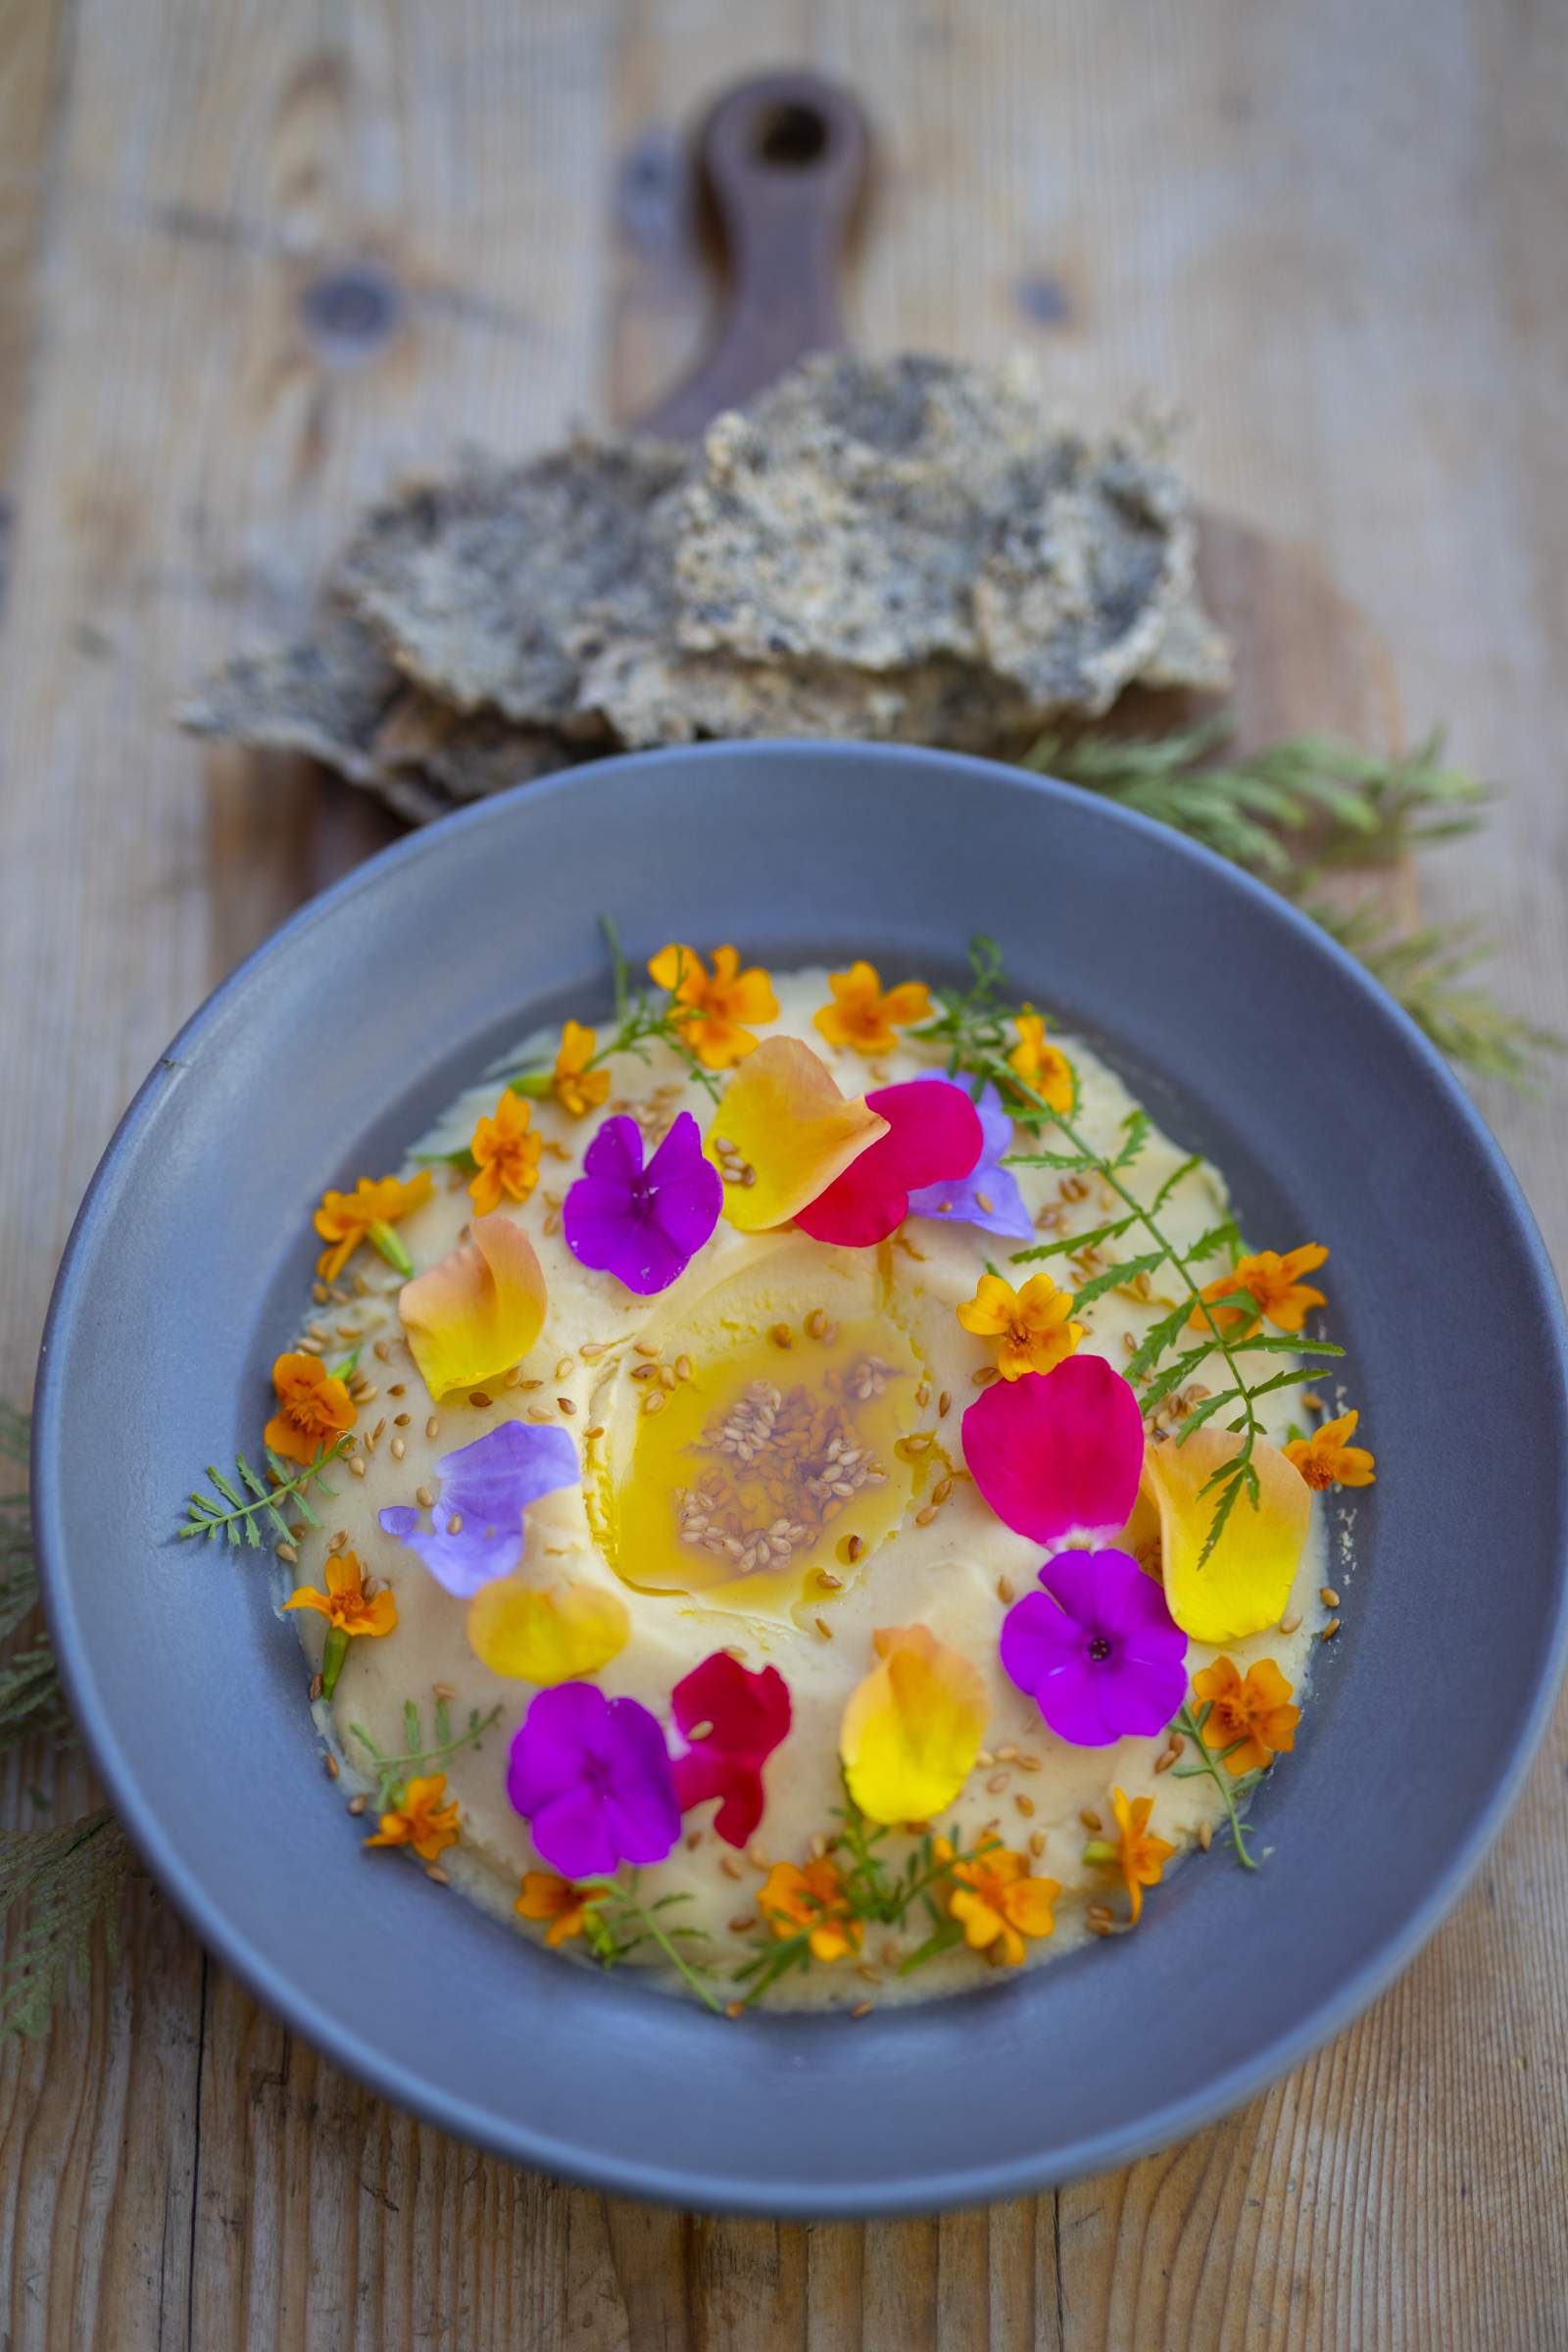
1252	1037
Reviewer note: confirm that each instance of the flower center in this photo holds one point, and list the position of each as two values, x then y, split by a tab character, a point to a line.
1100	1647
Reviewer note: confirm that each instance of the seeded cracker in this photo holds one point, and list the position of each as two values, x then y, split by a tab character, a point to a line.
476	583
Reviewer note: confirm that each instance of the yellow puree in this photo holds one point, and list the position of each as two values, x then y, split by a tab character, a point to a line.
667	1496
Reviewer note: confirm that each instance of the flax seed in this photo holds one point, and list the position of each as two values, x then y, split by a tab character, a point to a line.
996	1783
564	1368
683	1367
395	1387
1329	1598
818	1846
741	1922
729	1866
922	1395
694	1839
1008	1754
734	2009
1100	1911
297	1530
318	1293
1004	1589
654	1402
924	1516
316	1688
436	1875
1205	1835
481	1398
815	1323
824	1629
401	1420
863	2009
597	1431
1096	1926
866	1972
986	1375
1331	1628
644	1371
309	1347
1163	1763
1037	1843
1028	1763
399	1449
853	1545
455	1524
566	1405
828	1581
1178	1743
423	1497
286	1551
781	1334
333	1766
649	1347
1025	1805
382	1350
1092	1822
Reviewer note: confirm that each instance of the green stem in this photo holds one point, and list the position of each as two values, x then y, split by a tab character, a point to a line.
391	1248
332	1657
1209	1762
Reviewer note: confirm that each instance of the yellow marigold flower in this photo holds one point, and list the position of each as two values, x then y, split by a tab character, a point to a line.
1043	1068
1274	1282
1254	1712
546	1896
1031	1325
313	1407
1327	1459
998	1902
506	1151
344	1604
713	1006
864	1015
421	1820
578	1089
1141	1858
790	1898
368	1215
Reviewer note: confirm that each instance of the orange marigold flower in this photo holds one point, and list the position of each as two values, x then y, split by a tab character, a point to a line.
506	1151
1033	1325
998	1902
344	1604
545	1895
1253	1718
576	1088
368	1215
1140	1858
313	1407
713	1006
1043	1068
864	1015
1274	1282
791	1899
1327	1459
421	1820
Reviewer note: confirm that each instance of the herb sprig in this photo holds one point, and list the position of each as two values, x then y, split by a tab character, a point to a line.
617	1923
240	1516
642	1020
394	1773
974	1024
1211	1763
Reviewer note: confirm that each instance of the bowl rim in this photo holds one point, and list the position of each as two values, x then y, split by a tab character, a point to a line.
510	2137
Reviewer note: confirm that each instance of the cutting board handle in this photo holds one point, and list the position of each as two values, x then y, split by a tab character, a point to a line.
784	158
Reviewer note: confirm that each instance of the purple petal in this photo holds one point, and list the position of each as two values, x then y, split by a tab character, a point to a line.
487	1486
574	1835
1093	1600
592	1778
643	1225
603	1225
1073	1703
563	1727
615	1155
1037	1638
1142	1694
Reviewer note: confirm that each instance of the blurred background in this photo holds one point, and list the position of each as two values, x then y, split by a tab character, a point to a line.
258	258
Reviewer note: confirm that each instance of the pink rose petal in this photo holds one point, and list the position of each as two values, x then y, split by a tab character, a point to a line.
1058	1454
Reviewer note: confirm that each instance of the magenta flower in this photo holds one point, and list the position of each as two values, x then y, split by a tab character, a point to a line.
1058	1454
591	1776
1097	1650
734	1719
643	1225
989	1196
486	1490
934	1137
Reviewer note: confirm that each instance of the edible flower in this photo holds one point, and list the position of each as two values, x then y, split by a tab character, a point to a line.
714	1006
544	1895
1275	1285
1098	1650
989	1196
1327	1458
419	1819
791	1899
1249	1720
1058	1455
864	1015
577	1088
478	1310
998	1902
1043	1068
368	1215
1033	1325
545	1638
783	1133
932	1137
913	1729
313	1407
642	1224
506	1153
348	1609
591	1776
1245	1581
477	1530
733	1719
1139	1857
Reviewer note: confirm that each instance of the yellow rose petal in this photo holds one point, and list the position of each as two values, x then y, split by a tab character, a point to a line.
545	1638
477	1311
913	1729
784	1116
1246	1581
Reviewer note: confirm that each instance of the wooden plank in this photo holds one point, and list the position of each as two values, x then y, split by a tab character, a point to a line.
1335	234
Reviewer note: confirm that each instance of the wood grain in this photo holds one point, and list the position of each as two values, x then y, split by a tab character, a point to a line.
255	259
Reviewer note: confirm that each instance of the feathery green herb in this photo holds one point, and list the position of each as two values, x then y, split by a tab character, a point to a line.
1426	971
239	1515
642	1018
394	1773
618	1923
1210	1762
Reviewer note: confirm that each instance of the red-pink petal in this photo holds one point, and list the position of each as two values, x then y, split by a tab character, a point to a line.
934	1137
1058	1455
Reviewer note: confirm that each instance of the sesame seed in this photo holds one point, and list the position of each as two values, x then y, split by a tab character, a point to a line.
983	1758
816	1323
1004	1589
1100	1911
1205	1835
423	1497
996	1783
1331	1628
945	1404
512	1378
666	1376
1288	1625
355	1465
654	1402
1037	1843
924	1516
591	1350
781	1334
1028	1763
729	1866
1329	1598
333	1766
319	1330
434	1872
286	1551
853	1545
734	2008
382	1350
597	1431
432	1428
318	1293
399	1449
318	1685
818	1846
564	1368
646	1346
1025	1805
566	1405
986	1375
829	1581
455	1524
442	1690
1178	1743
528	1386
863	2009
395	1387
1091	1821
757	1858
401	1420
683	1367
356	1806
741	1922
1163	1763
309	1347
824	1629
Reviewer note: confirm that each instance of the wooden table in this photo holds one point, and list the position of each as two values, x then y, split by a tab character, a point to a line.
255	256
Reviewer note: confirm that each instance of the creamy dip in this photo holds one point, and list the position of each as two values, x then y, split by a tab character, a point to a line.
654	1521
